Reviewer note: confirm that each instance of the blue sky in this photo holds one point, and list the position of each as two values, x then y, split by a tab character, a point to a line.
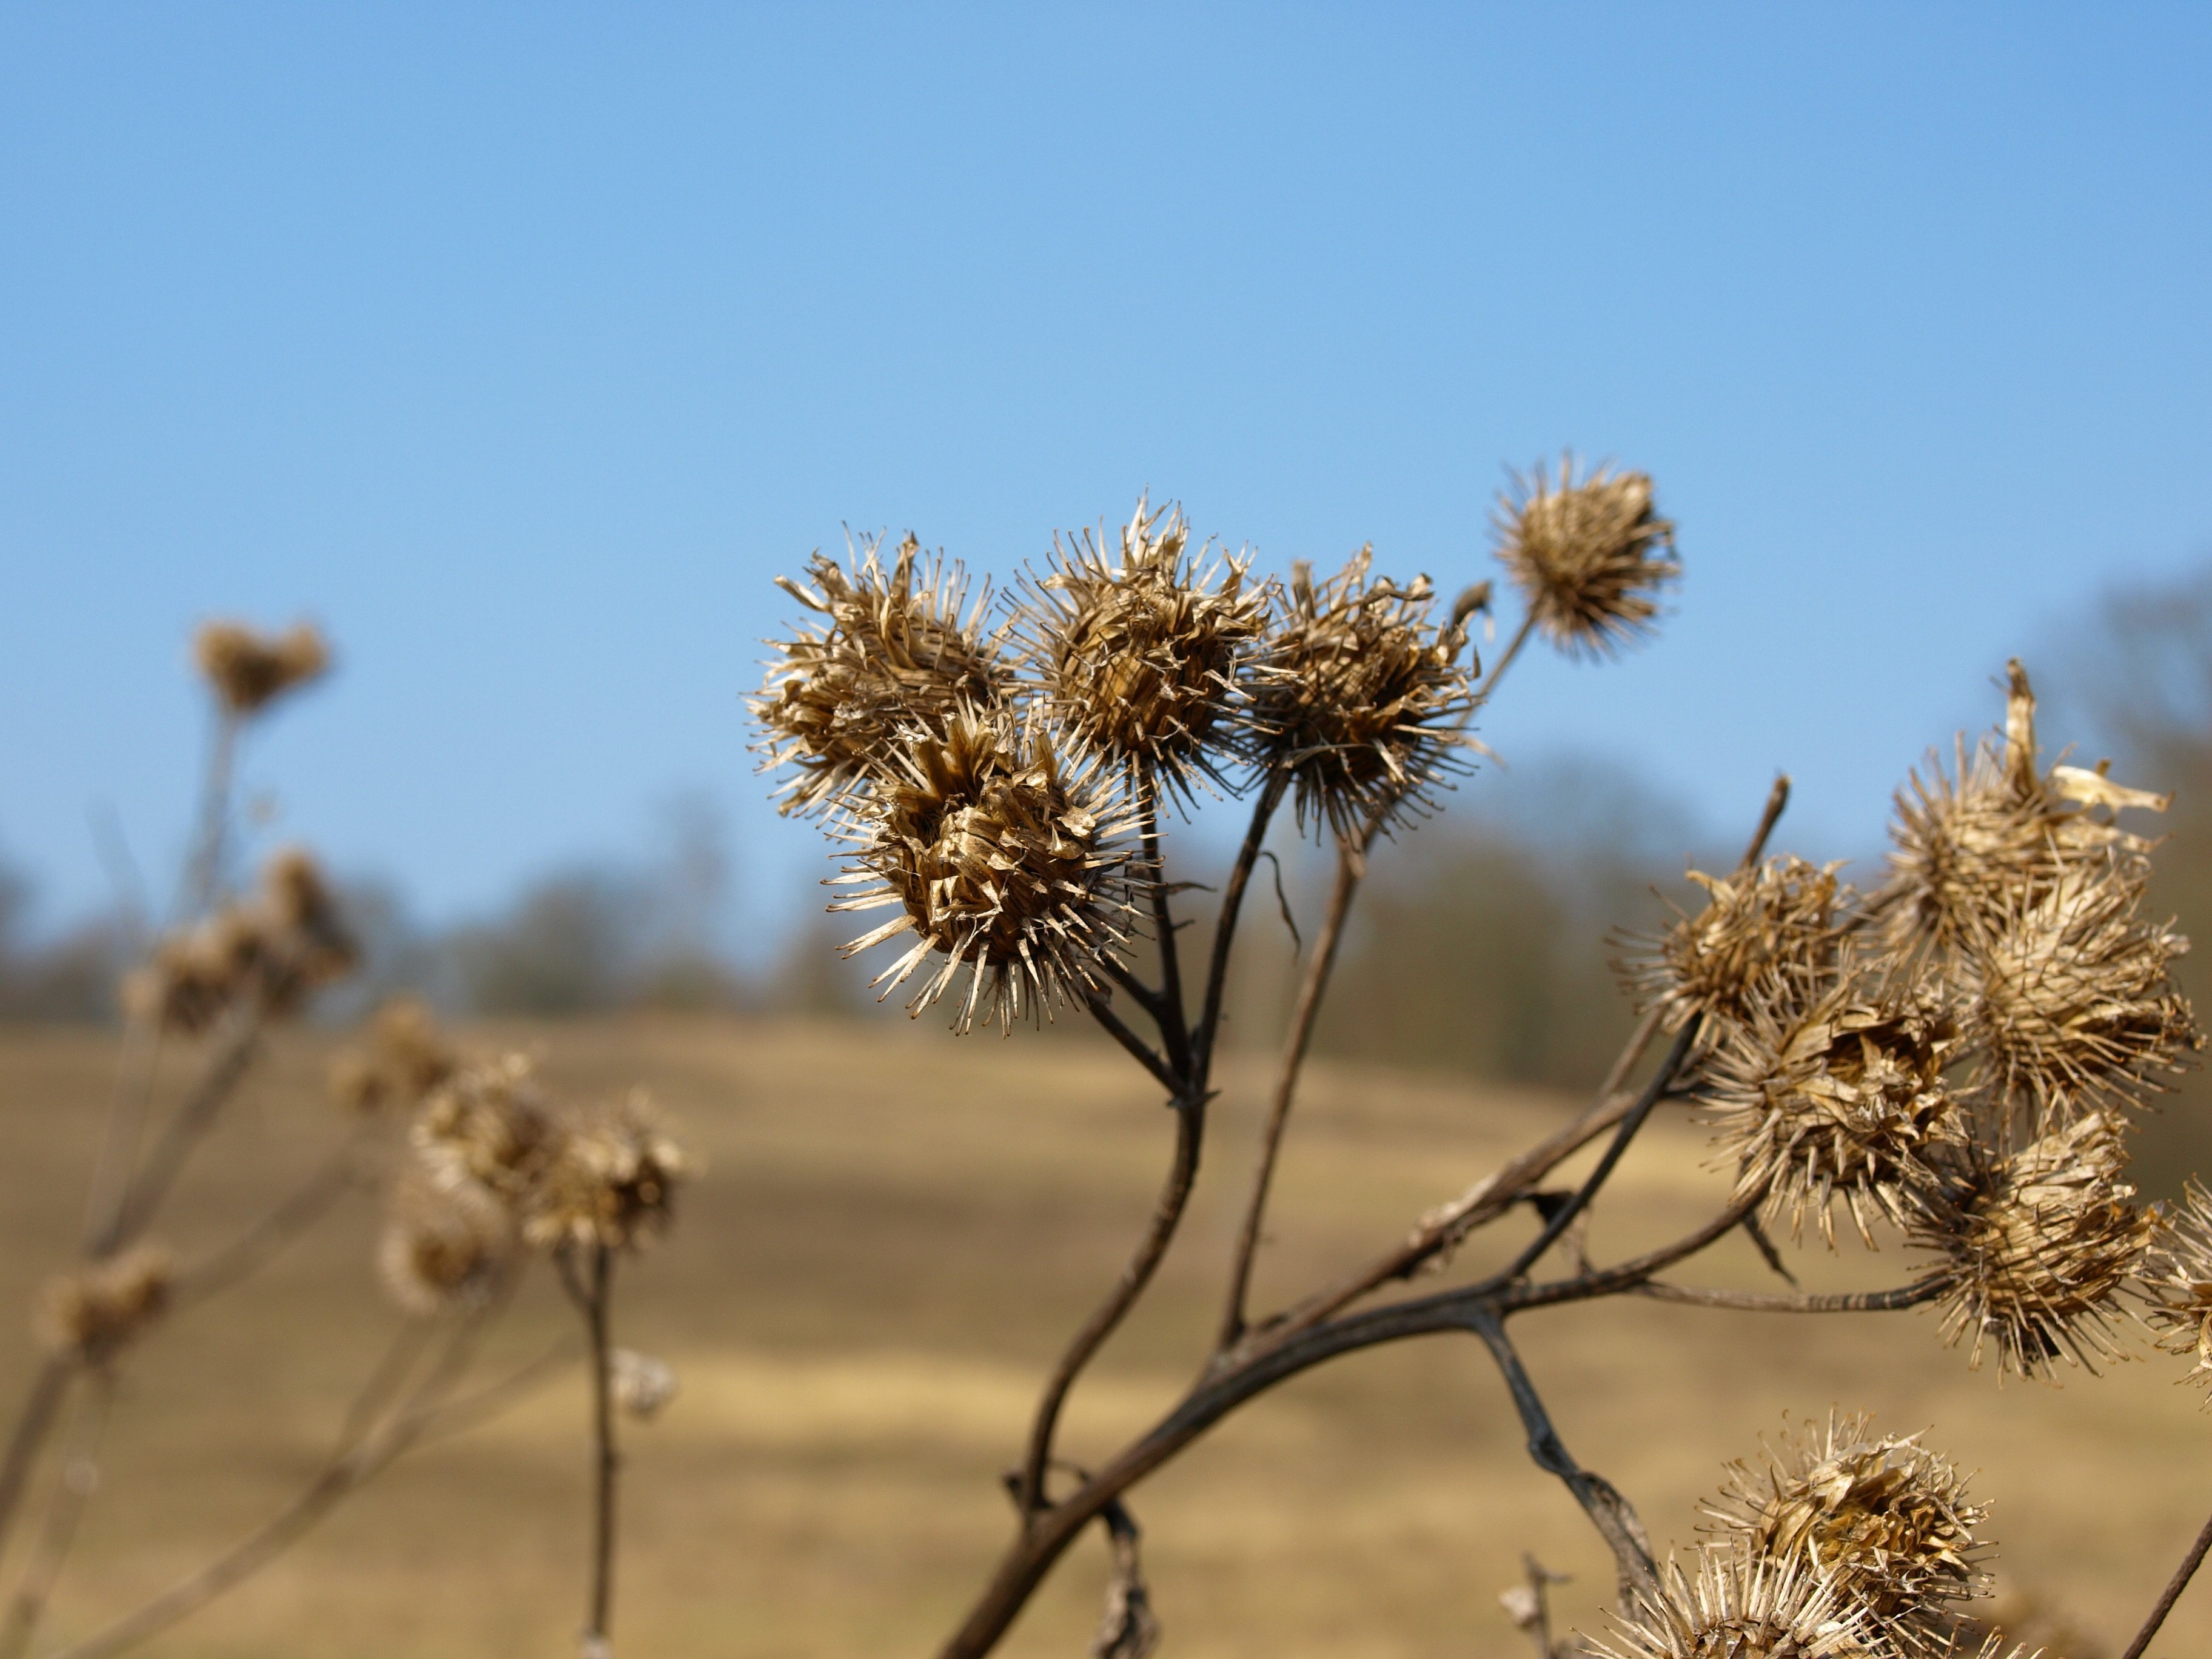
521	345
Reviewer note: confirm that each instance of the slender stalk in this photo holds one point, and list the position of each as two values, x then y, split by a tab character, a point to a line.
1224	929
41	1408
1175	1029
1146	1055
1906	1296
80	1477
2172	1594
127	1120
1190	1134
597	1630
299	1210
194	1116
1482	693
1311	991
204	873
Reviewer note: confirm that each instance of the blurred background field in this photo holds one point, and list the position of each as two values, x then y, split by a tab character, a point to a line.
893	1232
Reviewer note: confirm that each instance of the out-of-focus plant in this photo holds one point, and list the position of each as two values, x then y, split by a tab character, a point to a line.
477	1169
1958	1055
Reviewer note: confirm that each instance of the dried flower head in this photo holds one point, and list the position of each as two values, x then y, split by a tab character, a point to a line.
643	1386
1000	858
2177	1282
1779	917
1144	658
92	1311
445	1242
1884	1519
892	651
2074	1002
249	670
489	1123
1360	706
1996	831
1742	1606
610	1180
1842	1098
406	1056
274	949
2037	1247
1588	556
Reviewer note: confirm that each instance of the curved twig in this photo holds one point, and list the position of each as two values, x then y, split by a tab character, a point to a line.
2172	1594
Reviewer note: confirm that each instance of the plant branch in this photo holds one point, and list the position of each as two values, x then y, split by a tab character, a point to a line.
1307	1010
1908	1295
1146	1055
608	1460
1190	1132
80	1479
1224	928
41	1408
304	1207
2172	1594
194	1116
1175	1029
1616	1521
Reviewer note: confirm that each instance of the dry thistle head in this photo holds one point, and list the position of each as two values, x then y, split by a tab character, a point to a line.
1996	831
1778	918
2073	1003
91	1312
2177	1282
998	857
405	1058
643	1386
446	1241
1880	1516
610	1181
1842	1098
249	671
1588	556
891	651
277	948
1741	1605
1362	699
1145	658
2037	1247
489	1123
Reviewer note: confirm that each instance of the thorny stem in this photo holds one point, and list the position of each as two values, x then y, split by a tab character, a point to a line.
1310	992
2172	1594
1610	1512
1190	1133
80	1477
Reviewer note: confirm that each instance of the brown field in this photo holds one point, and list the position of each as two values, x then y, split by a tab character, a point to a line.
893	1233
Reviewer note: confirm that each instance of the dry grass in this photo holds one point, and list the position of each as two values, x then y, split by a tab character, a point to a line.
893	1233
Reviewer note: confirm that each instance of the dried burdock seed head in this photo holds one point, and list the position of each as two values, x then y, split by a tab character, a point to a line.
610	1181
446	1241
2073	1004
2038	1247
1361	701
1842	1096
892	651
1589	556
406	1056
1996	831
248	671
2177	1283
1741	1605
1880	1516
999	858
92	1311
489	1123
1778	918
1144	657
276	948
643	1386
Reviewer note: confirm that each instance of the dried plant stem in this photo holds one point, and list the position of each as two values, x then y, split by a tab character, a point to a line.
79	1479
195	1115
1190	1133
1143	1052
1311	991
1224	929
127	1106
305	1205
1482	693
607	1460
41	1408
203	872
2172	1594
1906	1296
1169	1011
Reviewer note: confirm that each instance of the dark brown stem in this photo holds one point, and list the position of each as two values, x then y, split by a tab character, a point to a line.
1224	928
1311	991
597	1631
1908	1296
49	1389
80	1477
2172	1594
1504	661
1615	1520
1175	1029
1190	1133
1146	1055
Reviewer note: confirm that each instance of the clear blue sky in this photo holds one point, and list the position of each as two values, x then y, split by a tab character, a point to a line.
520	345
